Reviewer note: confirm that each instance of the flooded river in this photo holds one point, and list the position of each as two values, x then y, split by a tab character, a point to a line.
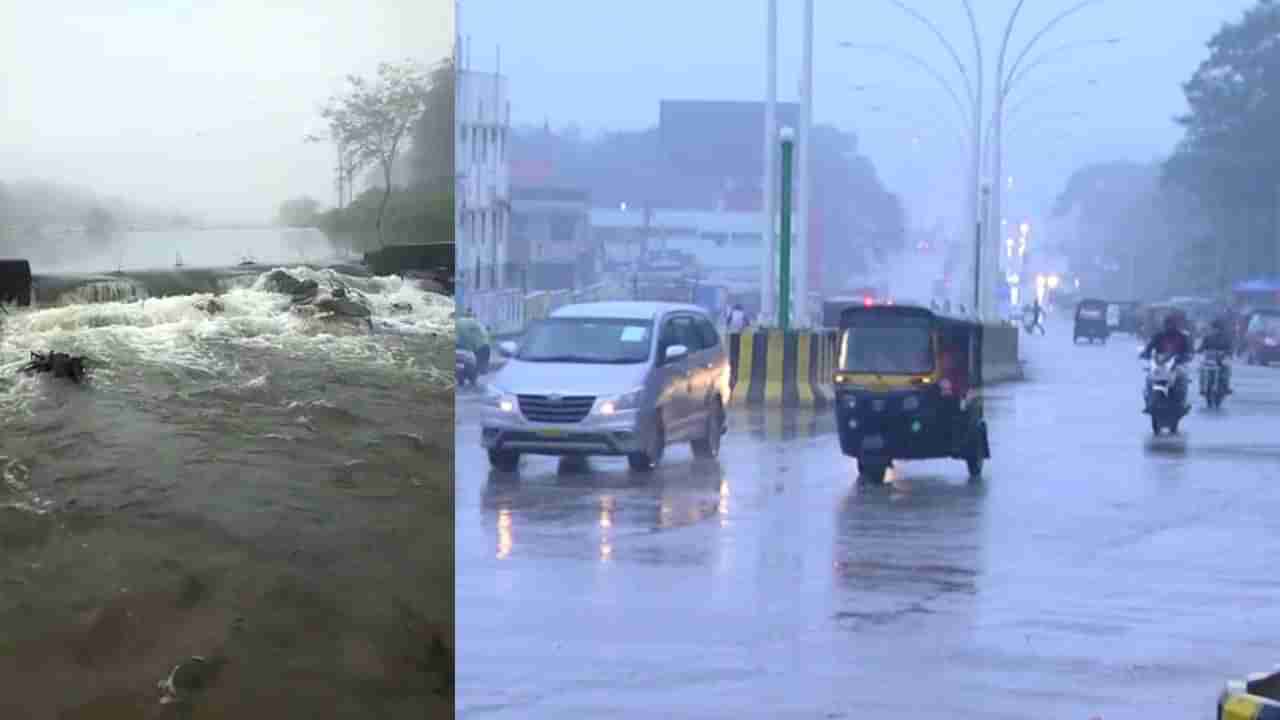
267	490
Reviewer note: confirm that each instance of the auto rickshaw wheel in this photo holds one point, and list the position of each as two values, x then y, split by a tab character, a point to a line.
974	463
872	471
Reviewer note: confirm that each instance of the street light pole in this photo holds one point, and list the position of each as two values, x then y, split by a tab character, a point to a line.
804	171
977	248
770	186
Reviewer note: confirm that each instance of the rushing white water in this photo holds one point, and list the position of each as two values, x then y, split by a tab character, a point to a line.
182	333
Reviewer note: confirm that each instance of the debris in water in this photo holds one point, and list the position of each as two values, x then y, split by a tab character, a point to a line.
61	365
402	307
187	677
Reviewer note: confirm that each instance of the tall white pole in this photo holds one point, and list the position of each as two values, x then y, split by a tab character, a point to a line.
803	180
768	279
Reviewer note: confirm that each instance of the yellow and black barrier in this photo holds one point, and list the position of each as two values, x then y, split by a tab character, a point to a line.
1257	697
772	368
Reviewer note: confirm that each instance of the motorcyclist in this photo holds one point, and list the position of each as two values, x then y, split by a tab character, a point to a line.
1219	340
1171	341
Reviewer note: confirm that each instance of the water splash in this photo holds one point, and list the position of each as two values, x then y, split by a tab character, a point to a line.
117	325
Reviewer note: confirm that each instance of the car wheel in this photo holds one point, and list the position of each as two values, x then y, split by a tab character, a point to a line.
708	446
647	460
504	460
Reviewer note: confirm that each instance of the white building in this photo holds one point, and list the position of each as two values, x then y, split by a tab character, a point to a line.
728	246
483	204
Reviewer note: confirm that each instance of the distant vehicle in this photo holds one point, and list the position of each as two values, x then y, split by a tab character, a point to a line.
610	378
1262	337
1091	321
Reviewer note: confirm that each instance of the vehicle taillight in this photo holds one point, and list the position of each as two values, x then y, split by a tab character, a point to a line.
867	301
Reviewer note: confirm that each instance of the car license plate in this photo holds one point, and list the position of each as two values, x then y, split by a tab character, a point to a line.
873	442
551	432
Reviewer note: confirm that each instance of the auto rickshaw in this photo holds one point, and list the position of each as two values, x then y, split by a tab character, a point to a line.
907	385
1091	321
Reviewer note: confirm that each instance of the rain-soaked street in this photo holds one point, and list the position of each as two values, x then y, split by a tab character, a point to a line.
1093	573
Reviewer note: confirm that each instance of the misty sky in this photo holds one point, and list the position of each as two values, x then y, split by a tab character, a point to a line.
197	106
606	66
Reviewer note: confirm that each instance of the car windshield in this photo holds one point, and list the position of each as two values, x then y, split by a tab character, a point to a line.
896	348
587	340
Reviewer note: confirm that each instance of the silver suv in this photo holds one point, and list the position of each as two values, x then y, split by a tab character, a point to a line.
612	378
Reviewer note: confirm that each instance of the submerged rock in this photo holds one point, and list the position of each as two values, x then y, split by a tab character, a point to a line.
212	306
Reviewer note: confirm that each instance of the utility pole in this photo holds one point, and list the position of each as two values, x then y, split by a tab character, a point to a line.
770	185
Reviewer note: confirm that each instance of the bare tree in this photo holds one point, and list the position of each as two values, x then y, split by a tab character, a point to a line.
371	120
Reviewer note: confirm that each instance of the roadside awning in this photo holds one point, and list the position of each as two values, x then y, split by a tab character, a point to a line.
1261	284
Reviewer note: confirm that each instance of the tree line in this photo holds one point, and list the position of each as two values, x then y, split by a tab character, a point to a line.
394	131
1207	215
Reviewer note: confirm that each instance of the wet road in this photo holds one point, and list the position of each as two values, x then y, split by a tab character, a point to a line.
1095	572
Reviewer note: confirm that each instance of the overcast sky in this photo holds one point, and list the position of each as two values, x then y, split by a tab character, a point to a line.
605	65
199	106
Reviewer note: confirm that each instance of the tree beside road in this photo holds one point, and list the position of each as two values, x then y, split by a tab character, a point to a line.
1229	156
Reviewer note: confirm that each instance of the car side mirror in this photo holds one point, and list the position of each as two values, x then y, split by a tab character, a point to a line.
675	352
508	348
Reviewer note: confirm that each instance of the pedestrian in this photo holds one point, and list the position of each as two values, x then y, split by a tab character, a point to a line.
736	321
1037	315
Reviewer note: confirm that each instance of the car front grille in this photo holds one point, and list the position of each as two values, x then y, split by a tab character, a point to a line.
548	409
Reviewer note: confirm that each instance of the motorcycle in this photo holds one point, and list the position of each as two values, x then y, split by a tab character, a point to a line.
1165	393
464	364
1213	377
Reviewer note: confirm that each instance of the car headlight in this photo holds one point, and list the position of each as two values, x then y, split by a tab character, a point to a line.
1270	341
499	399
614	404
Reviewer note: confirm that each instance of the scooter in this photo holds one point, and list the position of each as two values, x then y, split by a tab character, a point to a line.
1165	392
1213	378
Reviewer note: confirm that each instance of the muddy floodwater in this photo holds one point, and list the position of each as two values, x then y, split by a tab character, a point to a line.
246	511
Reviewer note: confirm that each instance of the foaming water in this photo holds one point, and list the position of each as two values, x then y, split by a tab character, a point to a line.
285	467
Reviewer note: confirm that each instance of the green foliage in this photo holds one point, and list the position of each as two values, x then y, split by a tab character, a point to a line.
431	157
419	215
371	120
1229	157
299	212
